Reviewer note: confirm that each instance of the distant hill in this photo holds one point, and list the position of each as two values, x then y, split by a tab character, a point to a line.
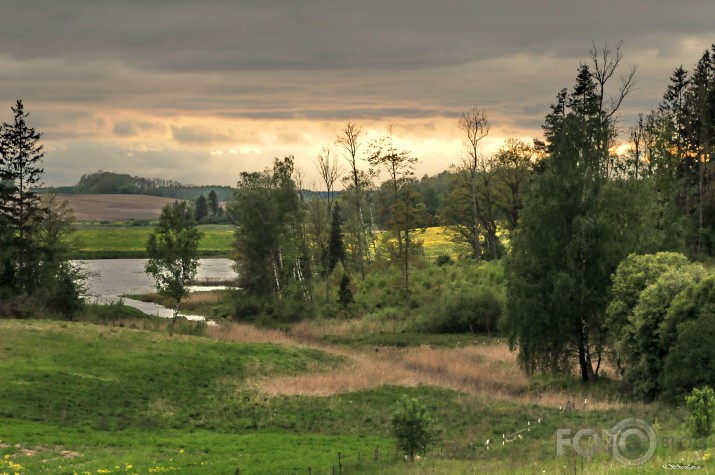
114	207
110	183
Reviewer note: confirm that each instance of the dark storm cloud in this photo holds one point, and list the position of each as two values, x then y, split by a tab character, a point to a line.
95	69
329	34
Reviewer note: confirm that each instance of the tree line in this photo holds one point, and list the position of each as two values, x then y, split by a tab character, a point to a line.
590	214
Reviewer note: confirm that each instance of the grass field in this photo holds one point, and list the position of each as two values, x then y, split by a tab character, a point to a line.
98	241
80	398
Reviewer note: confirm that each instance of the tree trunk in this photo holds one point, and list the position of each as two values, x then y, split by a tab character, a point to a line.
475	223
584	360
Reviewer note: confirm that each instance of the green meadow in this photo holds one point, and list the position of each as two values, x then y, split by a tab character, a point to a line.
90	399
107	241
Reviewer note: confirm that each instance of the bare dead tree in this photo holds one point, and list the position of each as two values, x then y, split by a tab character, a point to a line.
605	62
349	140
475	126
329	171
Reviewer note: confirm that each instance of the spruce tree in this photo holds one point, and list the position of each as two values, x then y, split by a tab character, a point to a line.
202	208
19	206
336	247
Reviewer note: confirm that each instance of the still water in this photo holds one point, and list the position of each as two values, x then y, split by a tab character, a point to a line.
111	278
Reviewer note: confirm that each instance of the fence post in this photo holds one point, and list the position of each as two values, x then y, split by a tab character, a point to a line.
377	453
340	463
310	471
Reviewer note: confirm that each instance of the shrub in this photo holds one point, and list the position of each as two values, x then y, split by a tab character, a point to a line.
412	426
691	360
477	310
443	259
701	411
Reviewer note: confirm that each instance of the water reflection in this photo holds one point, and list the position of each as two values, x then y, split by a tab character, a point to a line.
111	278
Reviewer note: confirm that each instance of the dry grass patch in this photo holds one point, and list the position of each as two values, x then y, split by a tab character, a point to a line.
486	370
310	330
244	333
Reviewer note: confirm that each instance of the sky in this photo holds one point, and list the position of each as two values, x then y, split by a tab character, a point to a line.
199	91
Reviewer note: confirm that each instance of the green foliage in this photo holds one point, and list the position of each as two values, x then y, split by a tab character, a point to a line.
412	426
173	252
443	259
213	203
570	238
270	244
478	309
345	294
103	182
632	276
35	272
336	247
643	350
202	208
701	411
660	319
691	358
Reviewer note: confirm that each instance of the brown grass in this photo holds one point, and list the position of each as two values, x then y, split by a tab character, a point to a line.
244	333
98	207
487	370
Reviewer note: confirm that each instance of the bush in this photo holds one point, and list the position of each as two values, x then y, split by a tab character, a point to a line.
701	411
412	426
477	310
691	360
266	310
443	259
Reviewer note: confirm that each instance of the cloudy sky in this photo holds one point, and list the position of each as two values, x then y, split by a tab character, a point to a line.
198	91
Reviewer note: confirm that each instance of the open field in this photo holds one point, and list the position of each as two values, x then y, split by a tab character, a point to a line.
118	240
100	207
80	398
97	241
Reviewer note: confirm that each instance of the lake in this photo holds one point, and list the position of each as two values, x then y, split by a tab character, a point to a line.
112	278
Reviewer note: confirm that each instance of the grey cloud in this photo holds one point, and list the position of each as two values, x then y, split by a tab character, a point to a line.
329	34
132	128
77	62
196	136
